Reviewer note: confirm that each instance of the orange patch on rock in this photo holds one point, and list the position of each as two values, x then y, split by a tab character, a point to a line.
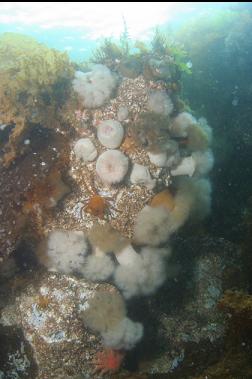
96	206
163	199
129	145
108	361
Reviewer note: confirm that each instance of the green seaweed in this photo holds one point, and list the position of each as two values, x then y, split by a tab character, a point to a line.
107	51
30	71
35	83
161	59
111	50
163	46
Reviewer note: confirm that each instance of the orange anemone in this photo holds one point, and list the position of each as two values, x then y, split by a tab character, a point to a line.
163	199
96	206
108	361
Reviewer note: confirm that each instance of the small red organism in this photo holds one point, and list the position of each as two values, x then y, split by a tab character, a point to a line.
108	361
96	206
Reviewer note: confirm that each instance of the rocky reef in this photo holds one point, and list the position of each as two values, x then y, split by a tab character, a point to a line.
104	186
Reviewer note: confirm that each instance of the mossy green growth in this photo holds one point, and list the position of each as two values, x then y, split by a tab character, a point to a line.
160	59
163	46
31	74
108	51
35	84
111	51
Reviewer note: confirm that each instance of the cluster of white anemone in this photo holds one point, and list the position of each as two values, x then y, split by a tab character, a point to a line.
136	272
112	165
139	273
96	86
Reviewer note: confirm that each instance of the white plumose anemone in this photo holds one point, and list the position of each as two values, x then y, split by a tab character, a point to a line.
85	150
181	123
105	313
112	166
94	87
186	167
141	175
125	335
204	161
98	268
110	133
141	273
66	251
159	102
152	226
158	159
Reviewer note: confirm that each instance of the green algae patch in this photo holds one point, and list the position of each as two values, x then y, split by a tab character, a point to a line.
35	83
161	59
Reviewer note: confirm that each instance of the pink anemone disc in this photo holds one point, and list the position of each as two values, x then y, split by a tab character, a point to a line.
110	133
112	166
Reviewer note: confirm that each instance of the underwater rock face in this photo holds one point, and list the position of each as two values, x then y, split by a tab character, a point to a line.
49	318
112	186
31	186
184	323
122	201
16	360
191	327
